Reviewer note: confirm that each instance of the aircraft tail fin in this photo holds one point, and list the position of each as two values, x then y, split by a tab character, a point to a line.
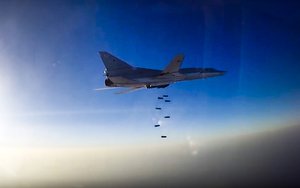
112	63
174	65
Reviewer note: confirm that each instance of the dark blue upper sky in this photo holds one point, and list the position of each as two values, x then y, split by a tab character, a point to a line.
50	65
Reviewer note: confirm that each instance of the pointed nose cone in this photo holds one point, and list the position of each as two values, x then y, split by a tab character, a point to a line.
221	72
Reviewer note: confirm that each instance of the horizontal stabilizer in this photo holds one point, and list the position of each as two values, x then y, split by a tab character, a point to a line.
174	65
105	88
129	90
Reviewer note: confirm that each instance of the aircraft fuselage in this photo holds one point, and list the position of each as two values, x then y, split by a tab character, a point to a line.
150	78
120	74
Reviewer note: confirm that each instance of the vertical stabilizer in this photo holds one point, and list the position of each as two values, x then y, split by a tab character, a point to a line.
112	63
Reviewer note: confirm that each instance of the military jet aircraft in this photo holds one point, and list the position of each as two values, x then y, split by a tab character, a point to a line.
120	74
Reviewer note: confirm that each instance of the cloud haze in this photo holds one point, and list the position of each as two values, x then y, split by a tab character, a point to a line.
248	160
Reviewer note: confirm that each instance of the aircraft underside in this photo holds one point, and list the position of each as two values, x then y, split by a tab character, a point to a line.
154	82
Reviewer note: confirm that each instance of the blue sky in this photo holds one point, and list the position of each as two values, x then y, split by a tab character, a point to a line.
51	66
54	127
